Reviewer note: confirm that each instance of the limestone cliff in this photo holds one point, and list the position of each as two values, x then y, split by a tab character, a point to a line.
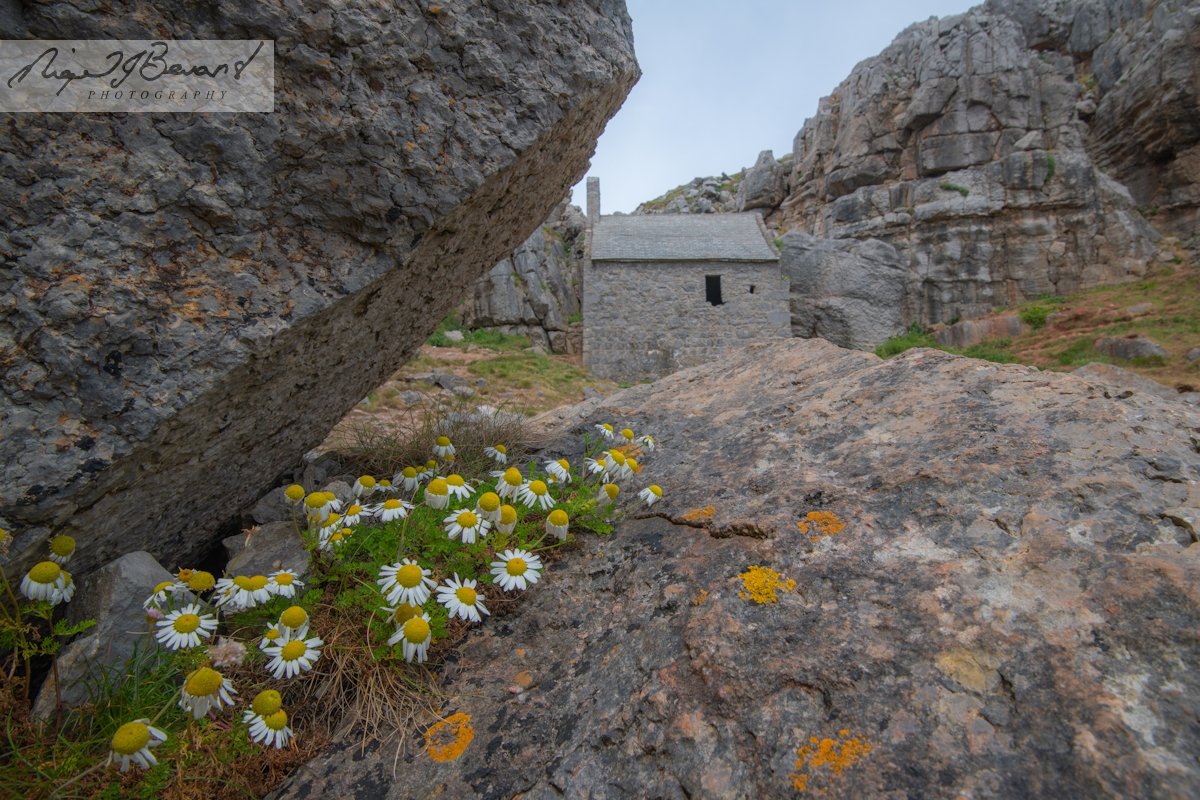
190	301
997	593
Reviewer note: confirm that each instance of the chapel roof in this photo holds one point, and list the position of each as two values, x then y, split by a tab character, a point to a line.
680	237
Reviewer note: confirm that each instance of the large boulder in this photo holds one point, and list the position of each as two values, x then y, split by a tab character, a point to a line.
191	301
997	593
763	184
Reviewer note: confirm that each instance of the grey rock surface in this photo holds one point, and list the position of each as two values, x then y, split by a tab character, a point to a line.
1128	347
272	507
266	548
763	185
973	331
163	356
113	597
1125	380
1008	612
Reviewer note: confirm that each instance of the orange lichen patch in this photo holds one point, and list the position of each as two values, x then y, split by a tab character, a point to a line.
422	129
827	757
819	524
410	146
524	679
700	597
698	514
762	585
446	740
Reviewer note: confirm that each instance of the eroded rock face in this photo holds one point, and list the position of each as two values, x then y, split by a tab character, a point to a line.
970	145
1009	611
192	301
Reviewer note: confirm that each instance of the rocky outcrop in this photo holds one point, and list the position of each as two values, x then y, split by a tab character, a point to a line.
192	301
538	290
764	184
713	195
996	594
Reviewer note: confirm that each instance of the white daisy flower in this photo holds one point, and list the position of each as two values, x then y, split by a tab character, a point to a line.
284	583
183	629
535	493
354	514
271	637
132	742
320	505
62	547
364	485
498	453
510	483
406	582
467	525
556	524
442	448
647	442
437	493
391	509
607	494
294	493
459	489
415	635
594	467
293	623
508	520
385	487
516	569
197	581
606	430
243	591
161	595
651	494
66	586
205	689
267	721
293	657
461	599
617	465
560	470
402	613
627	436
331	523
407	478
330	541
488	506
429	470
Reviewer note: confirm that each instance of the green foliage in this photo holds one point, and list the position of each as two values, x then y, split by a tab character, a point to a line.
575	317
955	187
995	350
1051	166
1035	316
913	337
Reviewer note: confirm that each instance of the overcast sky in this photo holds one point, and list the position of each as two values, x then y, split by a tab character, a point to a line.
725	79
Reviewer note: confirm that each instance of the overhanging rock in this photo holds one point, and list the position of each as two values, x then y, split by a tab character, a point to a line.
191	301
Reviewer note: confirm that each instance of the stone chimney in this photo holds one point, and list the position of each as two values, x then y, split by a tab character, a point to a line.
593	200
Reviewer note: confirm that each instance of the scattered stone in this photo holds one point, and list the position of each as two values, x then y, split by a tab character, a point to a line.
463	391
1124	379
454	336
970	332
1129	347
262	550
1192	355
446	380
113	596
318	468
272	507
411	398
591	393
538	350
1139	309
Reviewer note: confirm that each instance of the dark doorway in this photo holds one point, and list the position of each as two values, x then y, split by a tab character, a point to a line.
712	289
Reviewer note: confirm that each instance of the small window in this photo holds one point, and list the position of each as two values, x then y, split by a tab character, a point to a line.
752	288
712	289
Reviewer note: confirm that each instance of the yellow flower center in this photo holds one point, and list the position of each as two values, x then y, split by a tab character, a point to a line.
468	520
611	489
339	536
409	576
186	623
617	456
334	519
267	702
404	612
416	630
357	509
202	581
392	504
455	480
628	434
566	465
437	486
48	572
538	488
284	579
203	682
292	650
558	517
158	587
508	515
385	483
328	497
294	617
276	721
512	476
633	465
62	545
243	582
516	566
366	481
258	582
130	738
489	501
409	472
271	635
607	427
655	489
431	464
443	441
184	575
501	449
295	493
315	500
466	595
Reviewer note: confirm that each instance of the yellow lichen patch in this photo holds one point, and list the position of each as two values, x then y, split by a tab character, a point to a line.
446	740
698	514
762	584
827	757
700	597
819	524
